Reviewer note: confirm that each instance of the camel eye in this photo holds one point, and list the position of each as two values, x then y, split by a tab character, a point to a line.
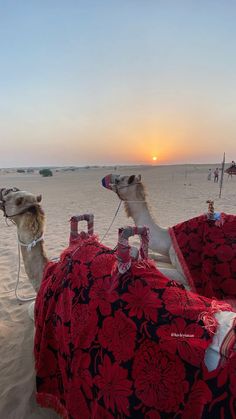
19	201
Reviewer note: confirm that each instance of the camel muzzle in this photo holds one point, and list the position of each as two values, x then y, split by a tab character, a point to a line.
109	180
3	193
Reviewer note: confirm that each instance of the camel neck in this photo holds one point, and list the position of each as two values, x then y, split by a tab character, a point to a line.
159	239
32	249
139	211
34	259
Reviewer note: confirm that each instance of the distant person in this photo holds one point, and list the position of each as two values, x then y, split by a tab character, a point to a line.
209	174
216	175
233	163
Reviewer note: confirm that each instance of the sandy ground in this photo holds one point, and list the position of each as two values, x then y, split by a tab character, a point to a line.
175	193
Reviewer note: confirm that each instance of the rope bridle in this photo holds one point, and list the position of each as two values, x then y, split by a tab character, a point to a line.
3	201
30	245
116	190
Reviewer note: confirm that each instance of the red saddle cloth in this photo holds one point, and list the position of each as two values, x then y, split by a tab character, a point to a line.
125	346
207	253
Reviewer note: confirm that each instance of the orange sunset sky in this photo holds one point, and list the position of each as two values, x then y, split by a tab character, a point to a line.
88	82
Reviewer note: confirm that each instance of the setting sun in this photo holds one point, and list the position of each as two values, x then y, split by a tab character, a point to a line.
154	158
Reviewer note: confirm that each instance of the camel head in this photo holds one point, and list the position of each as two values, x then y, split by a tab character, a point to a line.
24	210
128	188
17	204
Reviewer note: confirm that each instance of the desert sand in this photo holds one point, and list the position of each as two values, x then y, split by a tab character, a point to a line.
175	193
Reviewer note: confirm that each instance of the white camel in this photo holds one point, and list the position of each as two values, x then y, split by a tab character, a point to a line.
131	190
24	209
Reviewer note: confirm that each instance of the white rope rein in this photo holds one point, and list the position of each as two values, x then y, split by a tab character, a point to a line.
15	290
118	208
18	297
112	221
29	246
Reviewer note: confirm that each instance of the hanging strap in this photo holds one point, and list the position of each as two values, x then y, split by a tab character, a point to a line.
74	234
124	250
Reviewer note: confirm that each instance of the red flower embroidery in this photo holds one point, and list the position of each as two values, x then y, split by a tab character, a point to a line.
102	265
159	378
118	335
84	325
199	396
100	413
182	303
142	301
193	259
223	269
232	374
228	287
82	377
225	253
233	266
187	339
114	387
152	414
79	275
77	403
195	242
87	252
102	295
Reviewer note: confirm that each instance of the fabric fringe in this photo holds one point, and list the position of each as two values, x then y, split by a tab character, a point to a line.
49	401
207	317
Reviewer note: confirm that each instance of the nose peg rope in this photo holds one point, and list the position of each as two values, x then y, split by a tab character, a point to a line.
117	210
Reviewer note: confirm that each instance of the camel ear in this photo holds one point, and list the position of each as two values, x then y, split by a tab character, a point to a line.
139	178
19	200
39	198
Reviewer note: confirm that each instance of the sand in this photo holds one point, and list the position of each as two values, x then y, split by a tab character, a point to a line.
175	193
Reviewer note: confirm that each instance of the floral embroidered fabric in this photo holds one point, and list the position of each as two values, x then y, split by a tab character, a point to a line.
132	345
207	253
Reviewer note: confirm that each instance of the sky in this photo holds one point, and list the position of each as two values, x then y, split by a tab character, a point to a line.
117	82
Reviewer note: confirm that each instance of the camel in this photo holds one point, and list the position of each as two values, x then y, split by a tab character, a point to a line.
24	209
132	192
194	247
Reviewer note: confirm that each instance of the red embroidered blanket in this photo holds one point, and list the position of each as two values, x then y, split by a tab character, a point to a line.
130	345
207	253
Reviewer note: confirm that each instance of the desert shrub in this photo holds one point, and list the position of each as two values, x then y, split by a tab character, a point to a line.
20	171
45	172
